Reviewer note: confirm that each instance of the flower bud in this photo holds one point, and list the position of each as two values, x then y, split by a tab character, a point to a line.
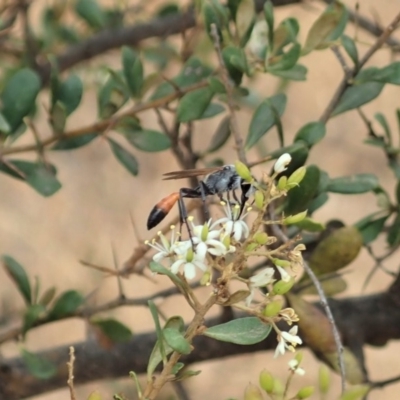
252	392
305	392
282	163
297	176
282	183
206	279
266	381
204	232
272	308
243	171
299	357
281	263
261	238
259	199
251	247
189	255
226	241
293	219
282	287
324	379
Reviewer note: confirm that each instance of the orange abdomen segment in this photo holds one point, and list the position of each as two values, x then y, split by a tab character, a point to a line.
161	209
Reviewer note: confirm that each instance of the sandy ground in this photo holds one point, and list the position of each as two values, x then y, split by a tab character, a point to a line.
49	236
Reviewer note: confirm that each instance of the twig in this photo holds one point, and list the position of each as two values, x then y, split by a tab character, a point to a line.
229	94
70	365
342	61
344	84
101	126
324	302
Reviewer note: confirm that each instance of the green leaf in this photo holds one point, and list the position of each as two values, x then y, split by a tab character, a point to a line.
91	12
235	62
126	158
393	237
133	71
297	73
318	202
39	367
324	28
311	133
220	136
58	117
112	95
113	329
159	351
73	143
356	96
159	269
370	227
176	340
47	296
245	16
148	140
4	125
216	85
389	74
70	93
212	110
354	184
265	117
66	304
31	315
285	33
214	13
19	95
193	72
193	104
351	48
269	18
384	124
39	176
300	196
286	61
310	225
18	275
245	331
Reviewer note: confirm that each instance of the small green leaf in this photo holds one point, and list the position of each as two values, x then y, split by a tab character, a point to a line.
159	352
148	140
264	118
4	125
393	237
73	143
286	61
17	273
48	296
90	11
176	340
126	158
212	110
285	33
216	85
221	135
112	95
235	62
311	133
19	95
193	104
70	93
351	48
269	18
356	96
245	331
66	304
354	184
133	71
39	367
325	27
58	117
245	16
297	73
389	74
113	329
300	196
159	269
318	202
370	227
384	124
31	315
310	225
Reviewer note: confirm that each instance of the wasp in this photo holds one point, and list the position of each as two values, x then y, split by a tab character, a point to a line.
218	181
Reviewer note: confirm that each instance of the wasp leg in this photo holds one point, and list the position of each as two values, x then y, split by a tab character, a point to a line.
203	192
183	217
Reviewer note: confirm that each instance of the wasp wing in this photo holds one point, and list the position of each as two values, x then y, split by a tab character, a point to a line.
189	173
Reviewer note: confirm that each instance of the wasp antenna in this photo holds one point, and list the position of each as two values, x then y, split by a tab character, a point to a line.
161	209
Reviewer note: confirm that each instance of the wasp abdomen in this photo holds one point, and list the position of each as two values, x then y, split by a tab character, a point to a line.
161	209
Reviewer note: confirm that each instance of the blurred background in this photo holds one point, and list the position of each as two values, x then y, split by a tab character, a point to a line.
99	200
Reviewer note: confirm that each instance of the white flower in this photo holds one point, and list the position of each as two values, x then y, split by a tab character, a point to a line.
282	163
261	279
166	248
284	275
190	261
294	366
287	340
206	239
232	224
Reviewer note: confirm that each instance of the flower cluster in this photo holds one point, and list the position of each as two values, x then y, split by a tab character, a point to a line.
189	256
